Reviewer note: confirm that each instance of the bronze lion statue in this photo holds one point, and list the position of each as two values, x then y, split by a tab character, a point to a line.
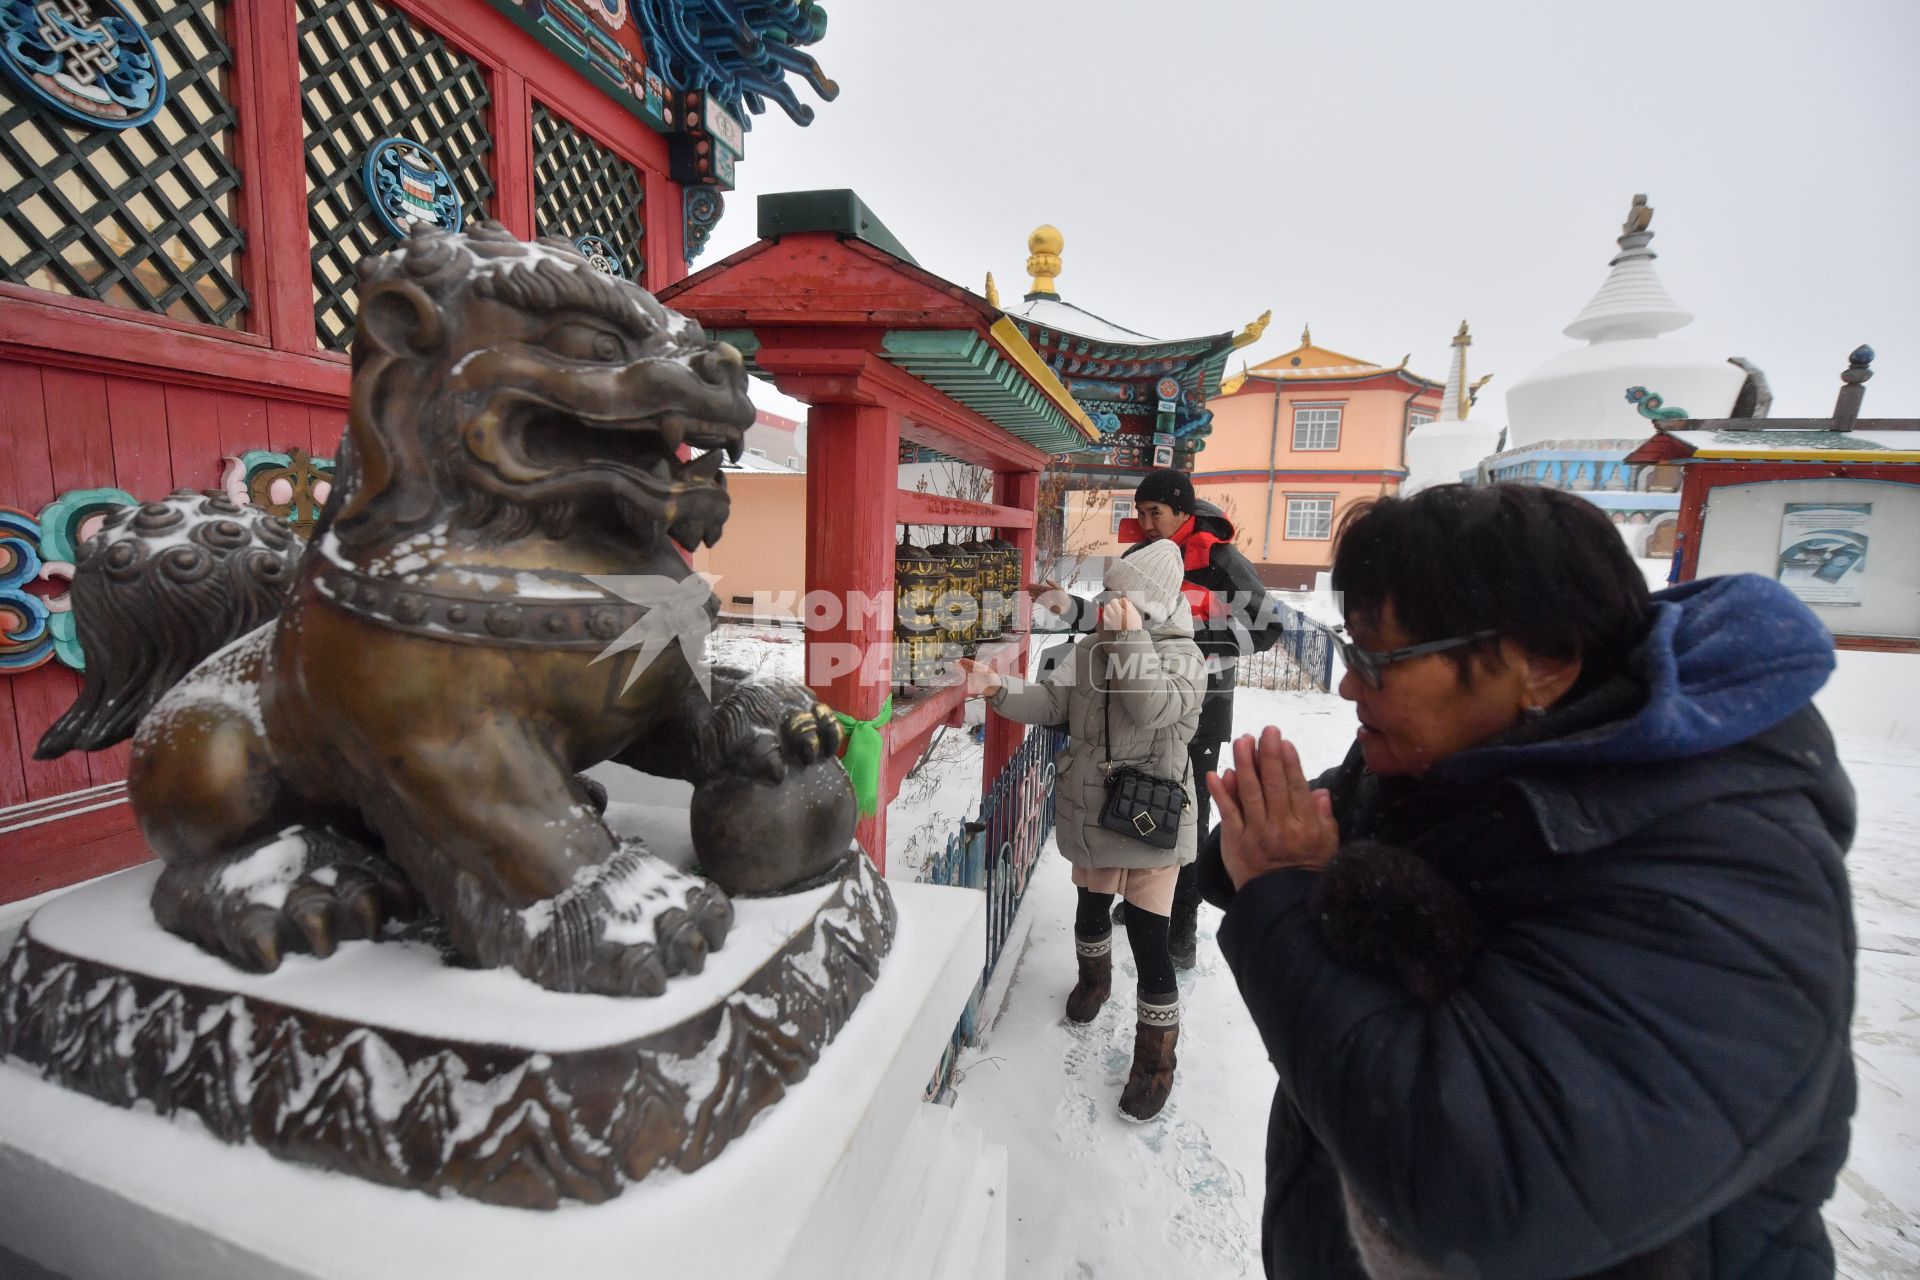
389	725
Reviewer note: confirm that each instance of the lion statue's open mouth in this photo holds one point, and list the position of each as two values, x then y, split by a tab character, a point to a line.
554	389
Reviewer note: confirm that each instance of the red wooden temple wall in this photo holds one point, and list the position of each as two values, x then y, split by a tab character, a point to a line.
96	395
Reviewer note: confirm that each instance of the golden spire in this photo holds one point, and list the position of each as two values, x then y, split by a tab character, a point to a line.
1043	262
1457	381
1306	335
993	291
1251	334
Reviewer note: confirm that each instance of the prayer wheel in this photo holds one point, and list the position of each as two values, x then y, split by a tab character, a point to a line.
1007	577
918	577
986	593
959	611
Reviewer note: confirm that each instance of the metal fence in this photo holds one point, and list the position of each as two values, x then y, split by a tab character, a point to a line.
996	853
1302	660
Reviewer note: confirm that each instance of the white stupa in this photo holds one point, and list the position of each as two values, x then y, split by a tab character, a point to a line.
1580	395
1450	447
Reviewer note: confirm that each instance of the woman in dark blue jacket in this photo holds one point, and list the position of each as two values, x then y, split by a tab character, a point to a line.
1556	969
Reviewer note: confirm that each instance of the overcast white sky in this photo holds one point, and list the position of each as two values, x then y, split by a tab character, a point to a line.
1386	168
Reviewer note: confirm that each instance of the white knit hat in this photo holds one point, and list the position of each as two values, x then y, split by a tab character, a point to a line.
1151	577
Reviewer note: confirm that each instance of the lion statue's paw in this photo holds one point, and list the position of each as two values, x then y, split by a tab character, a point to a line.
307	889
768	726
622	928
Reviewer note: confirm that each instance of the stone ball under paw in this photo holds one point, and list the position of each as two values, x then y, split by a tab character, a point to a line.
756	838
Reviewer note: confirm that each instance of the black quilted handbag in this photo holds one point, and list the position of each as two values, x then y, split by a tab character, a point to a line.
1139	805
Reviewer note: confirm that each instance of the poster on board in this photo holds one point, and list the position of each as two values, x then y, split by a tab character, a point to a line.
1823	550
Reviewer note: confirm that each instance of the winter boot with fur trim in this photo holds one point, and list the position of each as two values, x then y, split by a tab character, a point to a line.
1151	1080
1096	978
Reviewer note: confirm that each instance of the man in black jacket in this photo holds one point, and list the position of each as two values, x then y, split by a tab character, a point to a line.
1232	615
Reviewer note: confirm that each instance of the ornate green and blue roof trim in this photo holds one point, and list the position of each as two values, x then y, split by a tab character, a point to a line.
1148	397
970	368
737	53
696	70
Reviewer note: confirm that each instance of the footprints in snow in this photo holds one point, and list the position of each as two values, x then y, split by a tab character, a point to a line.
1207	1199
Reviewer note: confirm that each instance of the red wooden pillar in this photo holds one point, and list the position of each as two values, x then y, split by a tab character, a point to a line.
853	469
1013	489
1693	514
273	149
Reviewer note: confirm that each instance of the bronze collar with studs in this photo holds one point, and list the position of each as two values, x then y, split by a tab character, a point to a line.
482	618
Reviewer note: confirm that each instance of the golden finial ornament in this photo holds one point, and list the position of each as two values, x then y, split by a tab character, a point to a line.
1043	261
993	292
1306	335
1464	394
1639	217
1251	334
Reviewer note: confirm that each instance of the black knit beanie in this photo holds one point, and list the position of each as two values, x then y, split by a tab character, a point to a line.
1169	488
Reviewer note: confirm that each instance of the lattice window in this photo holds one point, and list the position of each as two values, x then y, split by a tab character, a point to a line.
586	190
143	217
368	73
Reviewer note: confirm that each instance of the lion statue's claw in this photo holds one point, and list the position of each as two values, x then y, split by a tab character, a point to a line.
303	891
622	928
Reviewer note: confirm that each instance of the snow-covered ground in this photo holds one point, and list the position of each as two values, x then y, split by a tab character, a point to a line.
1093	1195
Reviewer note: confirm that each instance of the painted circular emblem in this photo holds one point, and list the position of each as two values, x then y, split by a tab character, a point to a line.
408	185
602	255
1168	389
87	60
611	14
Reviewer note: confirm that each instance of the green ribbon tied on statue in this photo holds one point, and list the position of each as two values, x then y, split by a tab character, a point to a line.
865	750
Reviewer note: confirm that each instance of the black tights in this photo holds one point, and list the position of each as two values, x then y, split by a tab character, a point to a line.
1146	934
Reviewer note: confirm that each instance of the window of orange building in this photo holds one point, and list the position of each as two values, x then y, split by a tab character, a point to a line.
1316	427
1310	517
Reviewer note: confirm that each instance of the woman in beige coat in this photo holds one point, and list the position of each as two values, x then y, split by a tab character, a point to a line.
1141	675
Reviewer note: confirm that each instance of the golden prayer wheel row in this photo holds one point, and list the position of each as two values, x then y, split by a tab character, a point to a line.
949	597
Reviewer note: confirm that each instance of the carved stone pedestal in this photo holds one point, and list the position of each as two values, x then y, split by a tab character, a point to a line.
97	1190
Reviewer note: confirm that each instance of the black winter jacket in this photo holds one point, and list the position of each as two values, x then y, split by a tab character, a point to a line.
1577	1003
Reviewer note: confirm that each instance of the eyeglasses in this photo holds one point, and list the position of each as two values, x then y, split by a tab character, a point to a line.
1368	663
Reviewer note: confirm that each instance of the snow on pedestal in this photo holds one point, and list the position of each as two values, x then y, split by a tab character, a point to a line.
95	1191
1581	394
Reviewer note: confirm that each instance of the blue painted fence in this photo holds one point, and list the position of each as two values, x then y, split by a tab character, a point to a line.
1302	660
996	852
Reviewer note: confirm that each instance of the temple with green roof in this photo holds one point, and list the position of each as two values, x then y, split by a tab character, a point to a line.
1148	396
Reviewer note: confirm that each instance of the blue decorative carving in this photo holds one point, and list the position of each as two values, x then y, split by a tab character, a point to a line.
407	184
64	524
1193	422
87	60
737	52
601	253
1651	406
703	206
24	639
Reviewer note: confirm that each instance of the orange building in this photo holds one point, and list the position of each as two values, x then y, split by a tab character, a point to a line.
1296	441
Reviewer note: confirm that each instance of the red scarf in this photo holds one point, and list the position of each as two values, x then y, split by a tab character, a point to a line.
1196	552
